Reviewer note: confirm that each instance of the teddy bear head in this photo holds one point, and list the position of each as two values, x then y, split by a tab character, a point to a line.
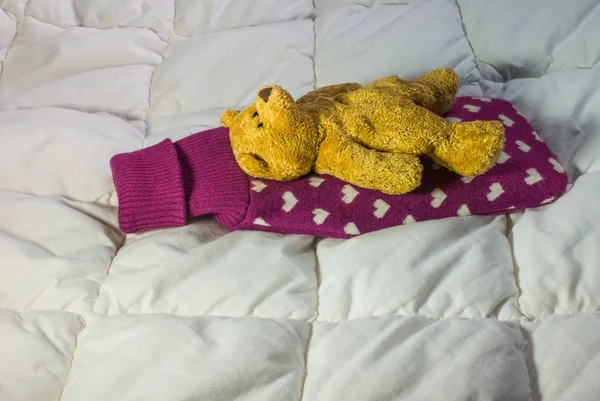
272	138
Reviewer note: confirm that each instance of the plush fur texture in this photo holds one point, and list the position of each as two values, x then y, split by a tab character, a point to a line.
370	136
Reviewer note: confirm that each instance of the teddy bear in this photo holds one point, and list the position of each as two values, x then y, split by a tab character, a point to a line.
371	136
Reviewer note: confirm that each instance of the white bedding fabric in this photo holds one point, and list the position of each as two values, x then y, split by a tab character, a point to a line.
474	308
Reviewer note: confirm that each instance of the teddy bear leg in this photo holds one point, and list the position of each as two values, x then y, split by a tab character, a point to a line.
390	173
472	148
440	87
434	91
329	91
398	127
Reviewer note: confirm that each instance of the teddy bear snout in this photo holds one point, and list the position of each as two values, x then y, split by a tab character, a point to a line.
265	93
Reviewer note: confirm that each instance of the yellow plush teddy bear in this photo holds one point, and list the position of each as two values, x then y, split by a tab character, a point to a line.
370	136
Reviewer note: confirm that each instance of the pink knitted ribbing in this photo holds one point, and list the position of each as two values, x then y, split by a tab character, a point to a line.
161	185
149	188
214	184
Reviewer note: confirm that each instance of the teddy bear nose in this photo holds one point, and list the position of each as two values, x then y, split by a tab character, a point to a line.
265	93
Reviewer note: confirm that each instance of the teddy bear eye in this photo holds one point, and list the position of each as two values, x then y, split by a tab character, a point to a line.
260	125
255	114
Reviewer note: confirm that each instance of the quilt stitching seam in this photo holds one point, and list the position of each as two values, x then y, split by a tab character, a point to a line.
464	32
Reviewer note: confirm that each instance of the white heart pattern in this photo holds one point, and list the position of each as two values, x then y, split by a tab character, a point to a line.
503	158
556	165
482	99
533	176
523	146
548	200
453	119
506	121
349	193
409	219
260	222
536	136
467	180
464	211
381	208
351	229
289	201
319	216
258	186
472	108
315	181
438	197
495	191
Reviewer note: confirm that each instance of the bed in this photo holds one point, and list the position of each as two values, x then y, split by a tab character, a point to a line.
468	308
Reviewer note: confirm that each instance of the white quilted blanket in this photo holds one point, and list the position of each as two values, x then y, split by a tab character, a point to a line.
474	308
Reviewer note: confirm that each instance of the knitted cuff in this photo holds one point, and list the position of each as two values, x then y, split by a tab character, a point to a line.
149	188
214	183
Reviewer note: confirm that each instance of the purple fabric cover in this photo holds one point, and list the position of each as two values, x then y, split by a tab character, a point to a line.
527	175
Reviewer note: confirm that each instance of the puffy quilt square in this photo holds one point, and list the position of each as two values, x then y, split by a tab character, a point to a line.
452	267
196	270
360	43
53	255
157	15
157	357
36	349
553	250
113	74
564	357
416	359
194	17
562	107
67	152
226	68
535	41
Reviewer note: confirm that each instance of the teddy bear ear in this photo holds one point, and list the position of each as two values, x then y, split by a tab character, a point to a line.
274	96
228	116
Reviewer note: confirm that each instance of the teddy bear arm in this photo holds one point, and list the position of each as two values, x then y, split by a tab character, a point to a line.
254	167
391	173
